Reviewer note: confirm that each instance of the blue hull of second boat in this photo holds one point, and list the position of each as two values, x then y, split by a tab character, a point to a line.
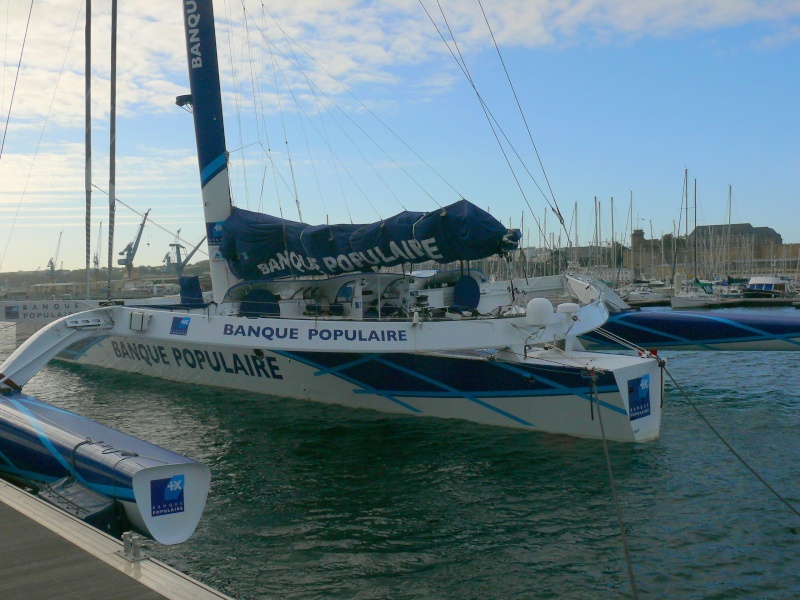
687	330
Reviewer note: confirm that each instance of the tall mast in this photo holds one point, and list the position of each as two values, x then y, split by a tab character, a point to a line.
577	239
728	261
88	141
694	233
112	148
613	247
201	53
633	275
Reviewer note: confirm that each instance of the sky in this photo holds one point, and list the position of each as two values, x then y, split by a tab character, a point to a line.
351	111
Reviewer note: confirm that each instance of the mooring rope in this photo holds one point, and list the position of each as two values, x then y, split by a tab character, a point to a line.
620	524
739	457
729	447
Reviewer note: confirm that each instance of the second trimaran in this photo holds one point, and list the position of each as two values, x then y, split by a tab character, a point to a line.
309	313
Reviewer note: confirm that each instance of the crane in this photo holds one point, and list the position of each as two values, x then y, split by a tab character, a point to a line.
52	264
177	264
99	252
130	250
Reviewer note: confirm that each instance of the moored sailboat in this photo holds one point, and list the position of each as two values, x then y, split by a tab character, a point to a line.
309	312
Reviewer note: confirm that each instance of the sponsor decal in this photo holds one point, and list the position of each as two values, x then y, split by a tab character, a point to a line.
193	35
166	495
170	357
180	325
214	233
324	334
639	397
42	311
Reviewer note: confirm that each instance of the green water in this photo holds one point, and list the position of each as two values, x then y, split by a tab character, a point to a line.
314	501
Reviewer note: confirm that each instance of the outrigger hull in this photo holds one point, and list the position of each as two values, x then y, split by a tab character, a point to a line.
687	330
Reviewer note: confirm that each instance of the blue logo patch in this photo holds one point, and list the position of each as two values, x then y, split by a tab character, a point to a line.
166	495
639	397
12	313
214	233
180	325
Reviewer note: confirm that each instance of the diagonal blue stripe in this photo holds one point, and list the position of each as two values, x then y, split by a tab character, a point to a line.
212	168
365	388
565	389
455	392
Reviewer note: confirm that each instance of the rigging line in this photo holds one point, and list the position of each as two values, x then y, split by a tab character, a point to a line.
150	219
237	99
319	112
276	174
286	137
302	125
336	160
5	57
41	133
485	108
16	79
487	113
522	114
492	119
256	95
326	140
371	113
730	448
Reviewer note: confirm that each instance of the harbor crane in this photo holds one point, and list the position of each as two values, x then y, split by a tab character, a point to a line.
130	250
52	264
177	264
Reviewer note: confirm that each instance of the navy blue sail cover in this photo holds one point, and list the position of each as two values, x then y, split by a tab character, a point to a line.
260	246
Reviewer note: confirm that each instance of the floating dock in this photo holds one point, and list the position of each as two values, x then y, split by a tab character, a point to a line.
727	303
47	553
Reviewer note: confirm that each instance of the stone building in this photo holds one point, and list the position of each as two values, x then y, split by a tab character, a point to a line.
712	251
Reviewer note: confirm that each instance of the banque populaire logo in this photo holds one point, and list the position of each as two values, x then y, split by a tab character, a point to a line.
180	325
166	495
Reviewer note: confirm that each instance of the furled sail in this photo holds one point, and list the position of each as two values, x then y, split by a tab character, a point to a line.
260	246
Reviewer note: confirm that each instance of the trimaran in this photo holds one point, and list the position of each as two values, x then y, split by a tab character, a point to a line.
311	313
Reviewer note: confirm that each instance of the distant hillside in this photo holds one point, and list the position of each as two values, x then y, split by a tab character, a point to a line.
24	278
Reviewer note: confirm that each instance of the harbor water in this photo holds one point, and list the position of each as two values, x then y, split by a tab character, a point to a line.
316	501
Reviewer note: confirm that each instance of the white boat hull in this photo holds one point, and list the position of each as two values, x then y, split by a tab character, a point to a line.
548	392
698	301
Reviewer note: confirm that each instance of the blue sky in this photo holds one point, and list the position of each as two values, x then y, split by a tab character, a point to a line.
620	99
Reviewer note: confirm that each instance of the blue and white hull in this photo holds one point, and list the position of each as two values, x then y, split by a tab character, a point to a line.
547	391
687	330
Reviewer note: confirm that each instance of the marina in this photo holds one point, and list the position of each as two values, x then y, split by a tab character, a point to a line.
415	403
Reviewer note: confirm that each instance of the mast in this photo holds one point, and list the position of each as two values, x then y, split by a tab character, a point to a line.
728	261
630	208
88	141
577	241
201	54
694	233
112	148
613	246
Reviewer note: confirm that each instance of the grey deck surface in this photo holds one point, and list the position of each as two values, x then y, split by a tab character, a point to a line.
36	563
